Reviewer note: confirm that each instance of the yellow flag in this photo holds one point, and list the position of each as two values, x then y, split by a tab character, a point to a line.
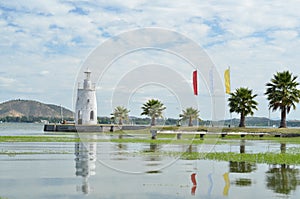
227	80
227	184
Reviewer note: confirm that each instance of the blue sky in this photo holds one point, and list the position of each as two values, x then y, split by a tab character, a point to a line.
43	44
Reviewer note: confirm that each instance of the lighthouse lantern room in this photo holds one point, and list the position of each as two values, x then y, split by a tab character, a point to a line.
86	103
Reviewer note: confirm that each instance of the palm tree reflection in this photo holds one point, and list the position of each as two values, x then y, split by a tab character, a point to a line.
241	167
282	178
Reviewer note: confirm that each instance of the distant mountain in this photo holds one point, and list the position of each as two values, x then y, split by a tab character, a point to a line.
30	108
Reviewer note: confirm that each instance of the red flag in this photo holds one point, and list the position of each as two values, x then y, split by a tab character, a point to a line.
193	178
195	82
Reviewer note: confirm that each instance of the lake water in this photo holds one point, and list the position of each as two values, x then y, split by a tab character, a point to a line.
126	170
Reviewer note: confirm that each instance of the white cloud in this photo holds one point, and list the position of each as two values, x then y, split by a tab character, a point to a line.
5	81
44	72
52	38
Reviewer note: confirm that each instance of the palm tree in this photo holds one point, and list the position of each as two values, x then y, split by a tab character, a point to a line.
283	94
189	114
153	108
242	101
120	113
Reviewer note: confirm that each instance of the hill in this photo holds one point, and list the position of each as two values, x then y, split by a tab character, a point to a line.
261	122
32	109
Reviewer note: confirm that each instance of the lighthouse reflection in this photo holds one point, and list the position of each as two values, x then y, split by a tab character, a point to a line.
85	160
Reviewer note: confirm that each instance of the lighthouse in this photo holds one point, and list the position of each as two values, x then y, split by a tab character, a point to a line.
86	103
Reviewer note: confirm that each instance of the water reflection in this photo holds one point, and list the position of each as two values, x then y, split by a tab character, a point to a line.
227	184
282	178
86	153
241	167
242	146
243	182
192	148
194	187
282	147
122	146
153	147
153	160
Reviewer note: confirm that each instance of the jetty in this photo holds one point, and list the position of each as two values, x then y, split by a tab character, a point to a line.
89	128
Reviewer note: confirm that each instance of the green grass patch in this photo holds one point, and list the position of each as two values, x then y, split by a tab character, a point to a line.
14	153
161	139
158	141
262	158
37	139
292	140
268	158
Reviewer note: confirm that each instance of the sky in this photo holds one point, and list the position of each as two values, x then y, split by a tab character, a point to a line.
45	44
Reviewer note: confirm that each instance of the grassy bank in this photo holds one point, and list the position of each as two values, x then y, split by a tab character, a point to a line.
161	139
260	158
267	158
37	139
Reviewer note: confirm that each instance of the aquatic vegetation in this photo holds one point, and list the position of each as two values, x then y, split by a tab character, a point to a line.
295	140
14	153
268	158
37	139
291	157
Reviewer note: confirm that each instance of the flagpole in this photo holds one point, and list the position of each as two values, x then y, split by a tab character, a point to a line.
214	108
212	93
230	91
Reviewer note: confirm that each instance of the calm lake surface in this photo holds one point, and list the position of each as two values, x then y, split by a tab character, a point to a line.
128	170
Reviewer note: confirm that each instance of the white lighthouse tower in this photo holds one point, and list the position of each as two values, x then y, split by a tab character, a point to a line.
86	103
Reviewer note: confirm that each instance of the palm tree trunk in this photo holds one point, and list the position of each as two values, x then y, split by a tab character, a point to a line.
283	118
120	122
242	120
190	121
153	121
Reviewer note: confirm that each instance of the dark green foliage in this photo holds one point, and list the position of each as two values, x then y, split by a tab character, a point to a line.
189	114
242	102
283	94
104	120
120	114
154	109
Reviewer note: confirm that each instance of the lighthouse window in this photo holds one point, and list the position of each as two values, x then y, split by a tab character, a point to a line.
88	100
92	115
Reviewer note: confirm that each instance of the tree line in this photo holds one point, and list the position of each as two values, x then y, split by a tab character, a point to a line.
281	92
32	119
